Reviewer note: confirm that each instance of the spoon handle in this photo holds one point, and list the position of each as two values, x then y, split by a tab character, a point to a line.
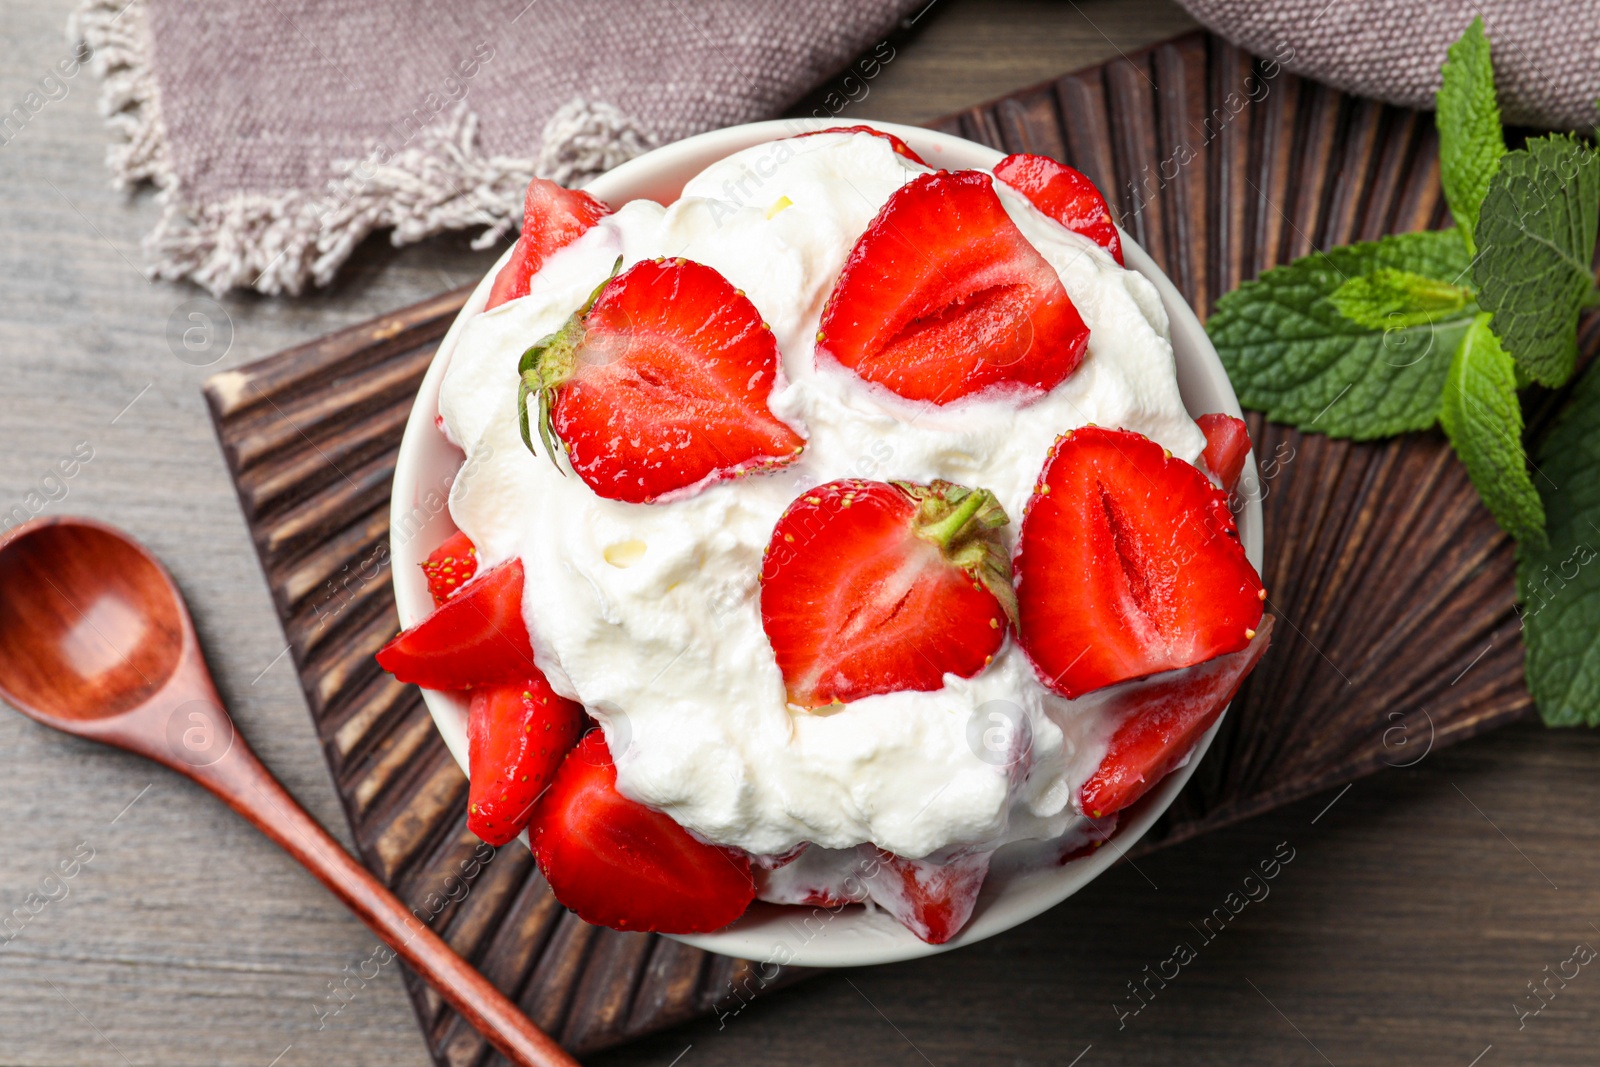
246	786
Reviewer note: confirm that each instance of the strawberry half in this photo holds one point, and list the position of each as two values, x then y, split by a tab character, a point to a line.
1227	444
620	864
450	567
477	637
1166	716
1064	194
1128	564
517	736
660	384
552	218
868	587
899	146
932	900
943	296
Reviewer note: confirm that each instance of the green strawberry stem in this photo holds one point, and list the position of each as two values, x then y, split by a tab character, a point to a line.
943	531
547	364
961	522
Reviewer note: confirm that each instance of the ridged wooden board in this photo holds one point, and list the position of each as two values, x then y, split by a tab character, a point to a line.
311	436
1394	586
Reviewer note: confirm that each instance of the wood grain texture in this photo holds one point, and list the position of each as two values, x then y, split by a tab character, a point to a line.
1402	933
1392	581
135	678
312	435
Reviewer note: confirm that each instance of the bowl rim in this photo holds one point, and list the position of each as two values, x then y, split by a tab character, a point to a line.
853	936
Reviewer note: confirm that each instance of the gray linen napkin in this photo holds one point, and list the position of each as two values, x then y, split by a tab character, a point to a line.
1546	52
282	132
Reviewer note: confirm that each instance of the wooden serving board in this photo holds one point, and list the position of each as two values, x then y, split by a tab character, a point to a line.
1393	585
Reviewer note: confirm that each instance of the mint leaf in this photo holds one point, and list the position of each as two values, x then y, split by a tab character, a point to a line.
1536	233
1291	354
1470	140
1389	298
1559	584
1482	417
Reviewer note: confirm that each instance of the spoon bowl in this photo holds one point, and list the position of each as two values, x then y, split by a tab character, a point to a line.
95	641
90	624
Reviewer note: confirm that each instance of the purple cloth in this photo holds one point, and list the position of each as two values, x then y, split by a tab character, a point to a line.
1546	52
282	133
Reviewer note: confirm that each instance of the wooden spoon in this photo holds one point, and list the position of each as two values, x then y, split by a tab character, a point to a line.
95	640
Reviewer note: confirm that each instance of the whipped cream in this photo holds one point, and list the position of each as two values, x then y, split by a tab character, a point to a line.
649	613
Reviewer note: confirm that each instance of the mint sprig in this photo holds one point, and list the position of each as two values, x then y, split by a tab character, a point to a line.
1389	299
1559	583
1292	353
1536	229
1376	339
1470	141
1482	417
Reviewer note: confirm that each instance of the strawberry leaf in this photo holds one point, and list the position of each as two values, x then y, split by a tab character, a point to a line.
1482	417
546	365
1470	139
1293	354
1559	583
1536	232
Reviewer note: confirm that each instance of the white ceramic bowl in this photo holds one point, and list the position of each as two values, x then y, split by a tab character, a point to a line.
769	933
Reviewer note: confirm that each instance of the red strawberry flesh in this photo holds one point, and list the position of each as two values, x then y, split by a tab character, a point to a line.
662	385
1165	717
1128	564
552	218
933	900
1064	194
620	864
899	146
513	279
816	877
1227	445
450	566
871	588
517	736
943	297
477	637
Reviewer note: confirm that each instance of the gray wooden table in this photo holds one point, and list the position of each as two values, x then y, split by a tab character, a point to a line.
1416	910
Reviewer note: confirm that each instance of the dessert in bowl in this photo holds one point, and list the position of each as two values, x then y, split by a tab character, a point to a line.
836	537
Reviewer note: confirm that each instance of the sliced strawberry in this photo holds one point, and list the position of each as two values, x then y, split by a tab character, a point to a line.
1129	564
552	218
778	860
517	735
1165	717
513	279
1227	444
620	864
450	567
659	385
477	637
899	146
1077	844
816	877
933	900
942	296
868	587
1064	194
